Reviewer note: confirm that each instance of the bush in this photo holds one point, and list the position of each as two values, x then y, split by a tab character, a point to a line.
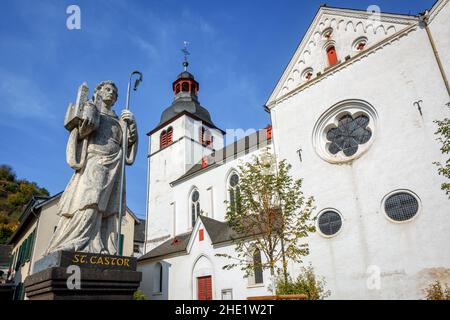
306	283
139	295
435	291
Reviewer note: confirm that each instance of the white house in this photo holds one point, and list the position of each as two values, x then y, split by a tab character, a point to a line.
353	113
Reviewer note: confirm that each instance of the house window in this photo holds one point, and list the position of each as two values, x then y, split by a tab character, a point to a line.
195	206
158	278
163	139
185	87
329	223
401	206
332	56
201	235
257	267
233	190
349	133
227	294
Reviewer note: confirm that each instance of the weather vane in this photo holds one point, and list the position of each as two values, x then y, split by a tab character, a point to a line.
186	53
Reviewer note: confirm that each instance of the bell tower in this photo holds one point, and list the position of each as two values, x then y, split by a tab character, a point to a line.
184	135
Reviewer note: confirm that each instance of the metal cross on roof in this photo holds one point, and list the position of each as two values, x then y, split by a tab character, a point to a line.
186	53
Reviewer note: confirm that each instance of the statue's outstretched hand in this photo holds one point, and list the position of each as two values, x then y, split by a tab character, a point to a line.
128	117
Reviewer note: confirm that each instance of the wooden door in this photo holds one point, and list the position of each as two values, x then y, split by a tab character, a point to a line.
204	288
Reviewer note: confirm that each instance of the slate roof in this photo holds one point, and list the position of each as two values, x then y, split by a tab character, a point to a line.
244	146
5	252
184	101
173	245
218	231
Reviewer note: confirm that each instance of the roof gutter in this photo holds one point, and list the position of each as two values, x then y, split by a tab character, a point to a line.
424	19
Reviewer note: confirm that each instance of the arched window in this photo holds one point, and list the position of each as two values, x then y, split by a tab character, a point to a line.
332	56
257	267
177	88
206	139
185	87
233	190
158	278
195	206
169	135
163	139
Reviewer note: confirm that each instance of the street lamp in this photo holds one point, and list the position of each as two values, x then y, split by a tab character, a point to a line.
124	154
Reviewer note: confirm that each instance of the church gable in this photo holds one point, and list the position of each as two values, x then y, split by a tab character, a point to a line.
334	35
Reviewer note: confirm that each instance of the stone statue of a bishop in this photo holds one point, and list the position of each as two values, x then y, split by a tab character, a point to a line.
89	206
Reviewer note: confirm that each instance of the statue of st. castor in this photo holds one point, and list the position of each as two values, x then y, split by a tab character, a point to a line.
89	206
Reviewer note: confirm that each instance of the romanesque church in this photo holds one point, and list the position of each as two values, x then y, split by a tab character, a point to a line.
353	113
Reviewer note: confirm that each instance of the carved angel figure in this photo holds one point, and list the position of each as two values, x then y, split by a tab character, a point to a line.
89	206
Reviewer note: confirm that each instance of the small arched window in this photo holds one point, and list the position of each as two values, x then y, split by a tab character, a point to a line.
233	191
169	135
158	278
177	88
257	267
195	206
332	56
163	139
185	87
206	139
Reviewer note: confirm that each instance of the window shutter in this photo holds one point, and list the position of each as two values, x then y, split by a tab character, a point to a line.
163	139
332	57
169	135
121	245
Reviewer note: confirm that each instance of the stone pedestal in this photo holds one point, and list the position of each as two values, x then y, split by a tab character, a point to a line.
6	291
101	277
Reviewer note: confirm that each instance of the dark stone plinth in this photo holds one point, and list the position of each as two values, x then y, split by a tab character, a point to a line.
51	284
102	277
6	291
85	260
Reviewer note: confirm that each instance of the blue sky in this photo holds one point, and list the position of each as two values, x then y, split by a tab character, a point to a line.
238	51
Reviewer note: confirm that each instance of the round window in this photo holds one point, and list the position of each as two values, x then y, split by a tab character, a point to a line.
401	206
329	222
348	134
345	131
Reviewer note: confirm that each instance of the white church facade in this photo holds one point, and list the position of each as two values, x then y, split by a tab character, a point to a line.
353	113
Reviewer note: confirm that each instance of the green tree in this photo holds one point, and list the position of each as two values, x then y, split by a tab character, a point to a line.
139	295
306	283
14	195
270	214
444	169
435	291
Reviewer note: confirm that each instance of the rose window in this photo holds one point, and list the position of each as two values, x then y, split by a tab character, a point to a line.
348	135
